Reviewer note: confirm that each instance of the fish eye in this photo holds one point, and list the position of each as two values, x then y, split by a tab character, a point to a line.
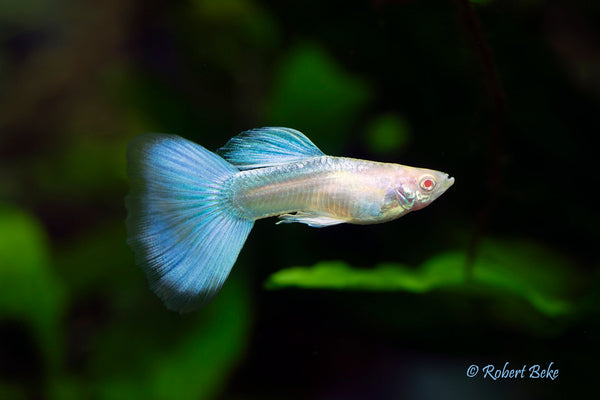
427	182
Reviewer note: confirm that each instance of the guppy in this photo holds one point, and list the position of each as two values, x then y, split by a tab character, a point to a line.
191	210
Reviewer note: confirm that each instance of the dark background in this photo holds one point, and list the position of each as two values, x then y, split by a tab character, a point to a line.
502	95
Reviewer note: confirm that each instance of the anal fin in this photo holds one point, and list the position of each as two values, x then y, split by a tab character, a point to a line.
311	219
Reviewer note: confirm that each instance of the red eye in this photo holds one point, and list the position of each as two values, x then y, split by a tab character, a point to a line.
427	183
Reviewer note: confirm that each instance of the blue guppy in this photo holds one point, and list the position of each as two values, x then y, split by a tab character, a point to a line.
190	210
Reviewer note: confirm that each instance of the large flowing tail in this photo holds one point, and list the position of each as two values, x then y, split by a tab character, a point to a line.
179	226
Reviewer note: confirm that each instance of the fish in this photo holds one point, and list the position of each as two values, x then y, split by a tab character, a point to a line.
190	210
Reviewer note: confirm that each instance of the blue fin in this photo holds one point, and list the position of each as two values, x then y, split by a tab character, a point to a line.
311	219
182	233
266	147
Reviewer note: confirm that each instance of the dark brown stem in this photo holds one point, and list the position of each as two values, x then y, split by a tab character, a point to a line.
497	110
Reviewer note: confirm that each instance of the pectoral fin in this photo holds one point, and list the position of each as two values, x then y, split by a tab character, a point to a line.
310	219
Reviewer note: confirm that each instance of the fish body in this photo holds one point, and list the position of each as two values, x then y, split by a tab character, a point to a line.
326	190
191	210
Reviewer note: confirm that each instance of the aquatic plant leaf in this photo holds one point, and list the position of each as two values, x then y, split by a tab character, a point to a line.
547	279
316	96
29	290
88	164
242	18
384	277
198	368
540	276
156	354
387	133
143	350
104	253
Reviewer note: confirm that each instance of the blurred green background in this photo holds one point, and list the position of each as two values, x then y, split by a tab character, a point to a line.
504	96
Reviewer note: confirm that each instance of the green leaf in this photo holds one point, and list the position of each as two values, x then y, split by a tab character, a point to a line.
104	252
544	277
539	275
143	350
157	354
387	133
384	277
315	95
29	289
90	164
244	19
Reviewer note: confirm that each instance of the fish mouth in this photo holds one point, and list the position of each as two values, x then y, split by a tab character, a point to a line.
449	182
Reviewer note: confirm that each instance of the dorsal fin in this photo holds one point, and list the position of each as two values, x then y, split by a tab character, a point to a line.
267	147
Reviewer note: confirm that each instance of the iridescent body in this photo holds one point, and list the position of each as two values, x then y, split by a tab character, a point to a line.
191	210
329	190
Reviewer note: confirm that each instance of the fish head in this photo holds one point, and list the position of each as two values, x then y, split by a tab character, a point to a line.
425	185
411	189
415	188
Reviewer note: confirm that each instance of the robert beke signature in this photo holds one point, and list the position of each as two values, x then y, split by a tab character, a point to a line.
532	372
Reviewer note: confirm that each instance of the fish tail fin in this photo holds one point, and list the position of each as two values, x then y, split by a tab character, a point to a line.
184	234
